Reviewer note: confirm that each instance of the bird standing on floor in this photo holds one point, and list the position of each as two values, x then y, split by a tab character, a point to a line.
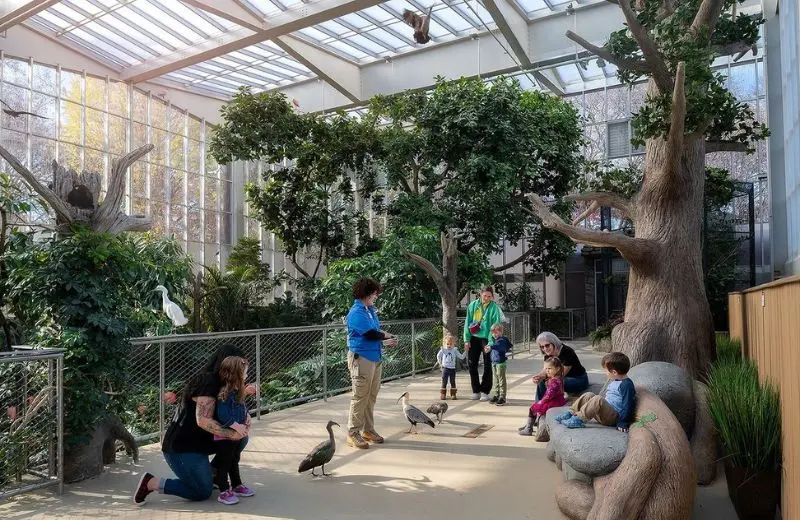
320	455
420	24
16	113
438	409
171	309
414	415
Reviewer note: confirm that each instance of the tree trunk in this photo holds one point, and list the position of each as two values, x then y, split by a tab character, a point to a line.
450	273
667	316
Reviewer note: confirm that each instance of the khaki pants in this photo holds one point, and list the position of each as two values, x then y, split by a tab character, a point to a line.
590	406
365	376
499	379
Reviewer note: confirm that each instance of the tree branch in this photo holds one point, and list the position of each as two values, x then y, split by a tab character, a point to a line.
708	14
738	48
300	270
637	251
594	206
433	272
319	262
600	52
677	124
604	198
116	187
725	146
59	206
655	62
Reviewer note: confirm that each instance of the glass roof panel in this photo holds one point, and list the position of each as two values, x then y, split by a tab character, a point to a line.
134	19
272	7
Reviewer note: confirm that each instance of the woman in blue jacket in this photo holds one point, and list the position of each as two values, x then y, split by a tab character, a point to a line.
365	341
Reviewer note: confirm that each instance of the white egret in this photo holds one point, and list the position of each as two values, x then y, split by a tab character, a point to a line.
171	309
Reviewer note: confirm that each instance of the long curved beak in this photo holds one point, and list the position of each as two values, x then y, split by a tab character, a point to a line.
336	424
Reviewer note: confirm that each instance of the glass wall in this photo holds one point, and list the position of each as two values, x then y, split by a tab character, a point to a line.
87	122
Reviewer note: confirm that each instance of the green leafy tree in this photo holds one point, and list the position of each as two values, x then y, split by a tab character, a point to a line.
307	199
87	293
687	113
459	155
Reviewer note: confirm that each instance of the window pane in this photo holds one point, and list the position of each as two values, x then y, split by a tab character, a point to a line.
139	106
14	142
157	214
158	113
139	179
617	103
139	207
157	182
194	157
95	161
211	254
226	196
176	154
44	106
225	228
95	92
195	195
211	193
71	85
140	135
194	128
117	134
43	152
17	99
212	168
177	222
177	121
195	250
16	71
95	129
177	180
157	137
44	79
71	122
211	227
118	98
195	224
69	156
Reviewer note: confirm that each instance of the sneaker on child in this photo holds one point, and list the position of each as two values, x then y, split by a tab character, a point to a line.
243	491
228	497
484	397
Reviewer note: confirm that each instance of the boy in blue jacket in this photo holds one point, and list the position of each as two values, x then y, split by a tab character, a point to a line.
616	404
501	347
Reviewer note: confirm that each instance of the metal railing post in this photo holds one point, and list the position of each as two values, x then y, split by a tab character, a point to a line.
60	390
258	376
51	449
513	333
413	351
325	364
161	390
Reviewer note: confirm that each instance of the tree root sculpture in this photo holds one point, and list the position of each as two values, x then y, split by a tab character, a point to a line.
655	481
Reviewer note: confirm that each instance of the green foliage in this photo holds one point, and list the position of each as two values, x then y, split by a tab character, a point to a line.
87	293
407	288
710	107
604	331
518	298
728	350
747	414
245	260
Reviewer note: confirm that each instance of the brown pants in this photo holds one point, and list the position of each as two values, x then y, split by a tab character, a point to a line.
590	406
365	375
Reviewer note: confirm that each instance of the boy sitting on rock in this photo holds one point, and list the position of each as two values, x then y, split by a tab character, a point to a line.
616	404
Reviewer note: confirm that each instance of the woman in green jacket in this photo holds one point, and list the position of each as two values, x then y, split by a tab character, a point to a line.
481	315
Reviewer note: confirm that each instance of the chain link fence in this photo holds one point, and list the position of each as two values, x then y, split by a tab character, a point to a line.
288	366
31	420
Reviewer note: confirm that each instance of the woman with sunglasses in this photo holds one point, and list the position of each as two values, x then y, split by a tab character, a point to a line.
575	377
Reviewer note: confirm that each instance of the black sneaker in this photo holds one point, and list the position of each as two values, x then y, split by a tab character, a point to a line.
493	399
141	492
501	401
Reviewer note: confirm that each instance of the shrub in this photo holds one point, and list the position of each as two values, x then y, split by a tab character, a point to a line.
728	349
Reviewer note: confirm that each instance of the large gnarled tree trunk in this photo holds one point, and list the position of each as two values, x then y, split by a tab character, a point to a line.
667	315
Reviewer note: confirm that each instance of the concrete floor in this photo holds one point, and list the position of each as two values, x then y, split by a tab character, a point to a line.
434	474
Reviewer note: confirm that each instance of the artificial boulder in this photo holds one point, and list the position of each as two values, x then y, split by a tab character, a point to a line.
671	384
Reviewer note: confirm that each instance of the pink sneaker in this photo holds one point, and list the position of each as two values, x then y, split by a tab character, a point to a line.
228	498
243	491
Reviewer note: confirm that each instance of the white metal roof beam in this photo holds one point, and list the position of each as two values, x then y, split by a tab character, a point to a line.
229	10
13	12
281	24
514	29
341	74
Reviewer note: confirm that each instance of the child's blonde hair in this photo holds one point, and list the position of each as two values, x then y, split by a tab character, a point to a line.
558	365
231	374
497	327
447	337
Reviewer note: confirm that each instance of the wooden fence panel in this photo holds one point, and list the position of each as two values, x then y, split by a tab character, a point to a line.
767	320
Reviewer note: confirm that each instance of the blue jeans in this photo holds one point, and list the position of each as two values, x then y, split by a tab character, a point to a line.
571	385
194	476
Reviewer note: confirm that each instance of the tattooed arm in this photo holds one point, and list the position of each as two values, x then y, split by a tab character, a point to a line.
205	418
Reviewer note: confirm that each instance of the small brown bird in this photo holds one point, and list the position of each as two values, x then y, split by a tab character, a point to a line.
16	113
420	24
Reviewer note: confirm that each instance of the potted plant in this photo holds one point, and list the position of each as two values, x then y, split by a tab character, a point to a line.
748	419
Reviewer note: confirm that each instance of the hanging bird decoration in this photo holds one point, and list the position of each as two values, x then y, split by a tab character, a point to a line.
414	415
438	409
17	113
320	455
420	24
171	309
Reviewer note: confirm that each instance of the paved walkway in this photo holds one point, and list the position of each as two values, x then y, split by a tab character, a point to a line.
434	475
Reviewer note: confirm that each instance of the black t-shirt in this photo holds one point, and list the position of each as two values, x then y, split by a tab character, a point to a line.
183	435
570	359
